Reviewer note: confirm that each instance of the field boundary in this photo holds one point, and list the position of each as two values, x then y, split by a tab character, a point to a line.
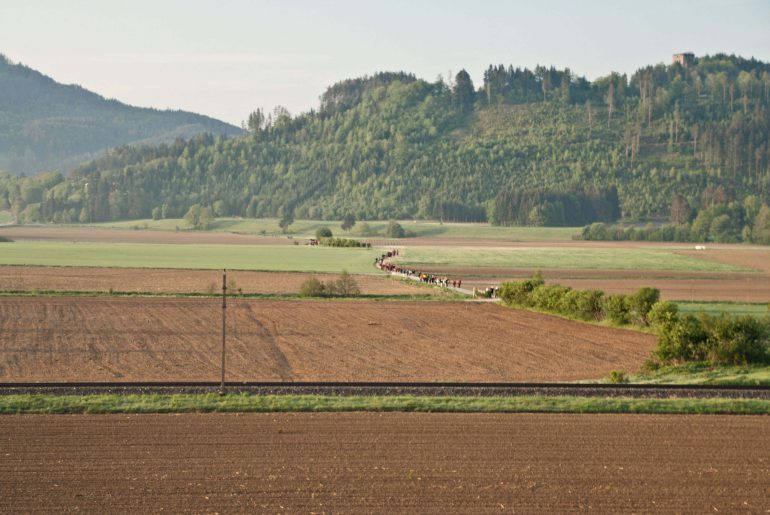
419	389
239	403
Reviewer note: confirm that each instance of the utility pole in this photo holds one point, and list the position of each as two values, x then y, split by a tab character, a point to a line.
224	328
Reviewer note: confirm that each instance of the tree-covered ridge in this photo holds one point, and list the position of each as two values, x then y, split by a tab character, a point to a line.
393	146
46	125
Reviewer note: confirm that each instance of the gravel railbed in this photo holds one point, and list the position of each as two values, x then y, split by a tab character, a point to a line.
475	390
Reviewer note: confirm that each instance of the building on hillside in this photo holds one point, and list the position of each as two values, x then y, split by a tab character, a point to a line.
684	59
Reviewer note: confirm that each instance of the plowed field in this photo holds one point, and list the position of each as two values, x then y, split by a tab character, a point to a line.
385	463
156	339
24	278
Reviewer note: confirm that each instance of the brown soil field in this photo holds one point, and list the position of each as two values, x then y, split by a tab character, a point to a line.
161	339
673	285
99	235
749	289
384	463
752	257
29	278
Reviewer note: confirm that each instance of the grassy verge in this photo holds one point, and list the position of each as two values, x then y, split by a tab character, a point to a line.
205	403
705	373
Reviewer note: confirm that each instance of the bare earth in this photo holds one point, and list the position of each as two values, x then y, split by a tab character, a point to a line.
385	463
161	339
736	289
28	278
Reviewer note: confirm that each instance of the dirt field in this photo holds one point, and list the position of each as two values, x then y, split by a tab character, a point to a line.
744	289
156	339
27	278
673	285
385	463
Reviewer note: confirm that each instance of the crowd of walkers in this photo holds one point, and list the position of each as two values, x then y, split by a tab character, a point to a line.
383	263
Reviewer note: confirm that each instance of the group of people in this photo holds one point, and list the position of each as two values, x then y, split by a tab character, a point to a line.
383	263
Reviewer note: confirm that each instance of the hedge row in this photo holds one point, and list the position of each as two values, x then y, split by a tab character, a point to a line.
581	304
721	339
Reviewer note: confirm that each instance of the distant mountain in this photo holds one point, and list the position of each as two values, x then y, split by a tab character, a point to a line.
45	125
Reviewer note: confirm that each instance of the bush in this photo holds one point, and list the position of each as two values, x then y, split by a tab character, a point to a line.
312	287
548	298
344	242
640	304
738	341
394	230
344	286
663	314
323	232
5	239
683	340
518	292
616	308
617	377
586	304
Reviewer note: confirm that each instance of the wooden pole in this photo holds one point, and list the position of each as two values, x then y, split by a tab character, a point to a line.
224	327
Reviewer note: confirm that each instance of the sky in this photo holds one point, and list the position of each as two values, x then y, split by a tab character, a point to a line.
225	58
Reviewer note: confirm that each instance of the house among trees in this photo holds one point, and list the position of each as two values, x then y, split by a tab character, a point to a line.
684	59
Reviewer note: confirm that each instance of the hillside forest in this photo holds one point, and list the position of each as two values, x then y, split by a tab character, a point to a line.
682	144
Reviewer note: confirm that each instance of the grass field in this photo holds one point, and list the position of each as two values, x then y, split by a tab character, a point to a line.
190	403
299	258
732	308
705	373
572	258
307	228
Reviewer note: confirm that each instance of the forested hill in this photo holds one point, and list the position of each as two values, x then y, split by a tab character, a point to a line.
540	146
45	125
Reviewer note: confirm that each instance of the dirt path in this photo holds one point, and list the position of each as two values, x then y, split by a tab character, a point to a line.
162	339
385	463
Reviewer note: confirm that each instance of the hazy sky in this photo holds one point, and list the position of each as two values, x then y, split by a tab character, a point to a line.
225	58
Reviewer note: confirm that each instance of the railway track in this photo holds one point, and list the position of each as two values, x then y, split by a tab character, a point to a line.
394	388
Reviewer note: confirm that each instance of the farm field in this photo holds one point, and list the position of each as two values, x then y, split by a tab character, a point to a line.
162	339
740	288
750	283
363	462
155	280
283	258
566	258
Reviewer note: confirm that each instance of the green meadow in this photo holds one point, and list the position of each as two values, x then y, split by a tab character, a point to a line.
284	258
564	258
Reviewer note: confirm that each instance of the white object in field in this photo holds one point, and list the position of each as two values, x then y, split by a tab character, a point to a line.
700	247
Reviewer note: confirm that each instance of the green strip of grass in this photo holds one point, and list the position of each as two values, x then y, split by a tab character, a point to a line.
716	308
205	403
705	373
